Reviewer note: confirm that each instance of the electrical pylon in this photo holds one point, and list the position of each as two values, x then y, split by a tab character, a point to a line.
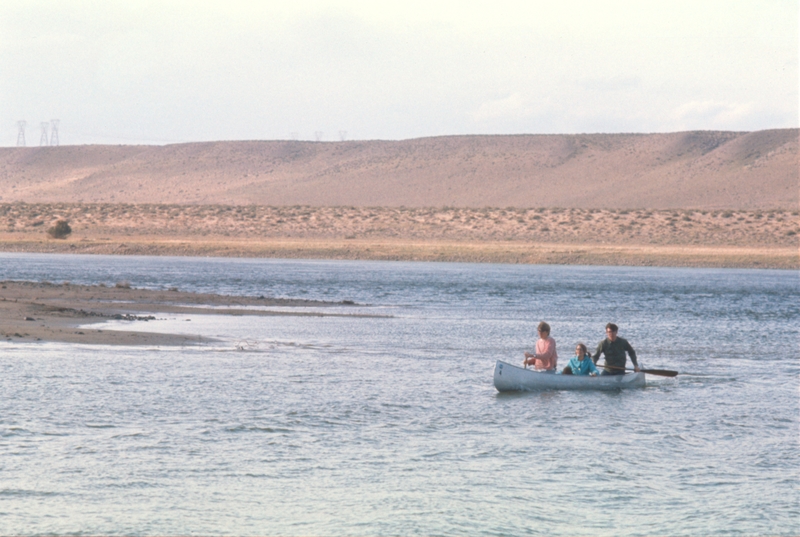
21	133
43	137
54	131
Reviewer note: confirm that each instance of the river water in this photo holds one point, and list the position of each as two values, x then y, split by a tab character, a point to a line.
390	424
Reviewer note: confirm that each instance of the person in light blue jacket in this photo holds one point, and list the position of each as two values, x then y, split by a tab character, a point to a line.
581	363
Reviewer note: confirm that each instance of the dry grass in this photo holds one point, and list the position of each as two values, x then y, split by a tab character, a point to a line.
774	228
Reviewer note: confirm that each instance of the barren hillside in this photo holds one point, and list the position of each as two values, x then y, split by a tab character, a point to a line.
689	170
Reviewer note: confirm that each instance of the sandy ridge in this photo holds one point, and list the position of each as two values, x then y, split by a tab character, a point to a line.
690	170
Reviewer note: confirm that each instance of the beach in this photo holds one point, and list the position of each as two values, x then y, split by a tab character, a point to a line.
677	238
44	312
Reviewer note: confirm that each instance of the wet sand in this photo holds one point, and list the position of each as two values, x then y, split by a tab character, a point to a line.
515	252
37	311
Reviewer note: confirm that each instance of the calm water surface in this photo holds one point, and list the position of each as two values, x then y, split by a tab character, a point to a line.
391	425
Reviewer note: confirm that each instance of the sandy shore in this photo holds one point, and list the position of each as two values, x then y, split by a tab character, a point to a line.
699	238
431	250
33	311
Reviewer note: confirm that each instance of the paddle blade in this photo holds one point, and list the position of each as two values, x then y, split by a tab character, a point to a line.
660	372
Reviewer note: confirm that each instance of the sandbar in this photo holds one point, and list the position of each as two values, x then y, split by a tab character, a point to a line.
48	312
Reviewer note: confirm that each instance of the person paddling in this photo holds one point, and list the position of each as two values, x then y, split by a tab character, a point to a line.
614	349
545	357
581	363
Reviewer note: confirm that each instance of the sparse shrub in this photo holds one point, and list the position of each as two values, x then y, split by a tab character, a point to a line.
123	285
60	230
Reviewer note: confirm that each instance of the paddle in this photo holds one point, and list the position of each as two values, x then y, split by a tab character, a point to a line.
658	372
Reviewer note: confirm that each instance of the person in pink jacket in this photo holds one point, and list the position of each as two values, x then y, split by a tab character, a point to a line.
545	357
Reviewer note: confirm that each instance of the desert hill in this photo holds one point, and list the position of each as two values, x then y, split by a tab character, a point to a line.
690	170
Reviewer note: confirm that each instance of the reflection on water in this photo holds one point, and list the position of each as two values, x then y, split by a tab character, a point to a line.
388	426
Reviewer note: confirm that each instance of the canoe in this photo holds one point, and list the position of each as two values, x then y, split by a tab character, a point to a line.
512	378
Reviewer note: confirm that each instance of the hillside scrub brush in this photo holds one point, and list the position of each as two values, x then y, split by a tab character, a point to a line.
60	230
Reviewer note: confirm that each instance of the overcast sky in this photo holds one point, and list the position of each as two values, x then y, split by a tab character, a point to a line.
127	71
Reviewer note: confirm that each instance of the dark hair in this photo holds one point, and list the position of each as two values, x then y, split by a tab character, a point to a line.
582	347
613	327
543	327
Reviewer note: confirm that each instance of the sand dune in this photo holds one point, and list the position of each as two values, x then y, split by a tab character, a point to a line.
689	170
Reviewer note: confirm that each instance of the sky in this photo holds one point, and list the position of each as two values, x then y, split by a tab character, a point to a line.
160	72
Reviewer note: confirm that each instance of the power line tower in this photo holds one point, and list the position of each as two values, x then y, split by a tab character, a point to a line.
21	133
43	137
343	135
318	135
54	131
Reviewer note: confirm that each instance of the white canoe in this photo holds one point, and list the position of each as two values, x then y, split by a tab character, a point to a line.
511	378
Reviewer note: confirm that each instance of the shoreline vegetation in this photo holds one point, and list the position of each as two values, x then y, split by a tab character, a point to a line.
49	312
669	238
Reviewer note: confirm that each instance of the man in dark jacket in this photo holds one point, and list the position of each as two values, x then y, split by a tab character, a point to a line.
614	349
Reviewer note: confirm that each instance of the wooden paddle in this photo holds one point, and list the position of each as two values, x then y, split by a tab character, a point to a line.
658	372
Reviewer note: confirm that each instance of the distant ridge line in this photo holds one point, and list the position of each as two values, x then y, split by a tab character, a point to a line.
689	169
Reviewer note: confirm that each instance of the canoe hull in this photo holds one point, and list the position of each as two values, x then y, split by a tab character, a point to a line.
511	378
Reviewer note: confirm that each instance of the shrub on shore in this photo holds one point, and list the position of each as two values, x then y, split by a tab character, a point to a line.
60	230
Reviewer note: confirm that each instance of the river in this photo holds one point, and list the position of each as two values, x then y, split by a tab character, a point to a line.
388	424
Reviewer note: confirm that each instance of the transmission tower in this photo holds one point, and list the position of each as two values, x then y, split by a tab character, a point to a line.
318	135
43	137
343	135
21	133
294	135
54	131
